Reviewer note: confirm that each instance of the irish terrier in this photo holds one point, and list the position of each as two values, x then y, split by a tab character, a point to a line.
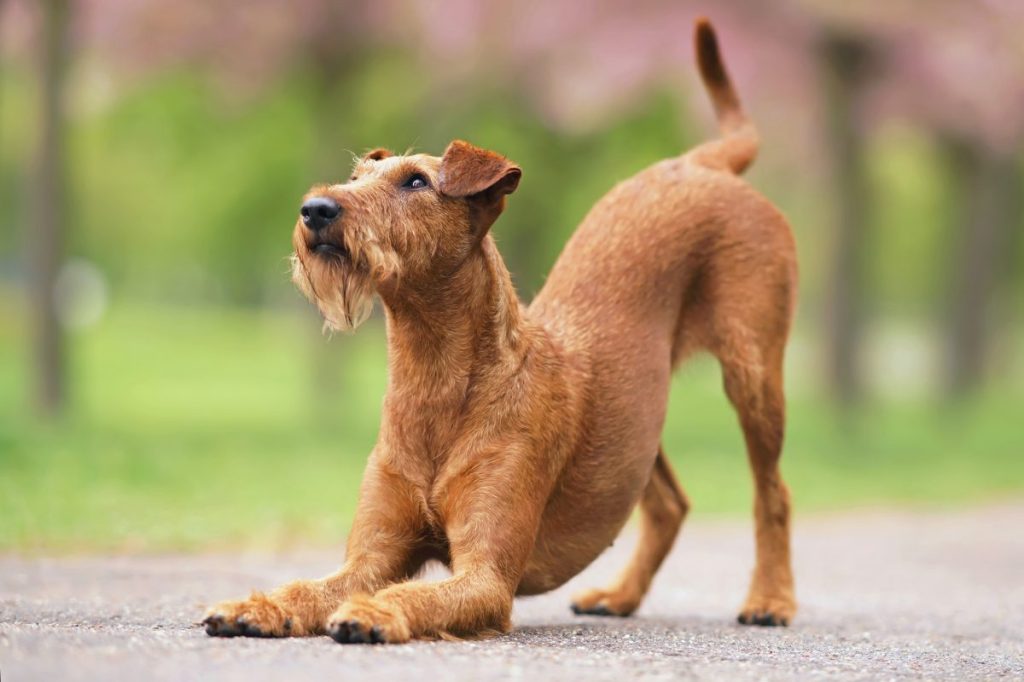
515	440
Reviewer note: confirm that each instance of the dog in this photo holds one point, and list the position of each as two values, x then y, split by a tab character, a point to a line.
515	440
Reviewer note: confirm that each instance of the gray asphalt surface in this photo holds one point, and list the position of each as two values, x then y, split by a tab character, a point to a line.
884	595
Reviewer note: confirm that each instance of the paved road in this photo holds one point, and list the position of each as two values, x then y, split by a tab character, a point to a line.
884	595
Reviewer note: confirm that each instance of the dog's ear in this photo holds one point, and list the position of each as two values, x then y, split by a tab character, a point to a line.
482	177
377	154
468	171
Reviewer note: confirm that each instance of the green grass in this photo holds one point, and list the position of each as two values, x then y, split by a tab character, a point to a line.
200	427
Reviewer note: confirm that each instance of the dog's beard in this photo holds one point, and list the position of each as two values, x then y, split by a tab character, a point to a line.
344	291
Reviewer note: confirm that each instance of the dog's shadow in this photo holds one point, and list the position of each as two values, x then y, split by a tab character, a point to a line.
610	633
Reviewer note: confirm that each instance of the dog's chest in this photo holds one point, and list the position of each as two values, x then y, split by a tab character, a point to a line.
425	433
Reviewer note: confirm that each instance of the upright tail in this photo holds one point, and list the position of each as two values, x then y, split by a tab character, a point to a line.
737	147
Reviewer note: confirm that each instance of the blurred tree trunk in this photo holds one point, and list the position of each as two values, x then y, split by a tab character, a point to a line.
46	215
988	208
844	62
333	51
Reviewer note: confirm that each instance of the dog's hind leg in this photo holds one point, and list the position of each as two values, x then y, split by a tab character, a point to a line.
663	508
753	382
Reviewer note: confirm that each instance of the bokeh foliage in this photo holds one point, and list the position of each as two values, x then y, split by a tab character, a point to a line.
199	413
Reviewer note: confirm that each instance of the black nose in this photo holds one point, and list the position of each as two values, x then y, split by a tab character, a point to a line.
319	212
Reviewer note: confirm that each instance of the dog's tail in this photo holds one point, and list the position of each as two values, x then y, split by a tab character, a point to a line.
737	147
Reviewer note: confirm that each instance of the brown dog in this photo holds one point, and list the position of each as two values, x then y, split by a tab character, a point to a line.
515	440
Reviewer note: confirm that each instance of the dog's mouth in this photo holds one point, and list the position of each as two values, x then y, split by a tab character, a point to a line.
325	249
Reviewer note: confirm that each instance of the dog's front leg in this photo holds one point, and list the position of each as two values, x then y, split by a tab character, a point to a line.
381	550
473	602
491	515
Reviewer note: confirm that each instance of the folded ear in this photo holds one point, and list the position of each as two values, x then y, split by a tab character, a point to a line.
377	154
467	170
480	176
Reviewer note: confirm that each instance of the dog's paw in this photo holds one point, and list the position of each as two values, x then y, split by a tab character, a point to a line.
365	620
767	611
257	616
597	602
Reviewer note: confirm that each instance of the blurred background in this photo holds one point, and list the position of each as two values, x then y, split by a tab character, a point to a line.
164	387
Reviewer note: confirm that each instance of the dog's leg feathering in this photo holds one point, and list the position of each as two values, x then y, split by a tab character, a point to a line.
381	550
490	539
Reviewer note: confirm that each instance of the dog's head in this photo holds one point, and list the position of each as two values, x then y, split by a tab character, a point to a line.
399	222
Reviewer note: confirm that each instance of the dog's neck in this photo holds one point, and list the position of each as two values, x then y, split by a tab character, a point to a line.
440	337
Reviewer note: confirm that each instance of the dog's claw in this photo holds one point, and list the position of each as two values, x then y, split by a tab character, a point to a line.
248	629
213	625
356	634
596	610
345	632
339	632
218	626
351	632
765	619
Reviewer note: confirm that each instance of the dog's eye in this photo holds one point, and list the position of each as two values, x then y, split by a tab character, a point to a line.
415	181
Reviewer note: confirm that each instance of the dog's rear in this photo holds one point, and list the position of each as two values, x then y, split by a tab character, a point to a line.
684	256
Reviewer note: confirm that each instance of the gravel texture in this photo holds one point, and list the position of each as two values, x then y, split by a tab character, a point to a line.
884	595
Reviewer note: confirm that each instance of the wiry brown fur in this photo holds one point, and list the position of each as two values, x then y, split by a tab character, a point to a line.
515	441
